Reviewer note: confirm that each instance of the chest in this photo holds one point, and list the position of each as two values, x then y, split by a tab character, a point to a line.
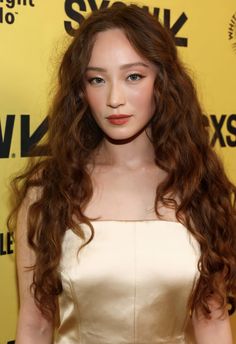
119	194
132	282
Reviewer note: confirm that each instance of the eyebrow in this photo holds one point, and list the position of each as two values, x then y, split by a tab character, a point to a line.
124	66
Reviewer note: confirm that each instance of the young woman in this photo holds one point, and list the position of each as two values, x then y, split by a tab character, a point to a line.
128	222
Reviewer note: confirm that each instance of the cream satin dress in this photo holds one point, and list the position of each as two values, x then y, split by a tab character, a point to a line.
129	285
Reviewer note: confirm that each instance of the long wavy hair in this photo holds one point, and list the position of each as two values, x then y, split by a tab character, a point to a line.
182	148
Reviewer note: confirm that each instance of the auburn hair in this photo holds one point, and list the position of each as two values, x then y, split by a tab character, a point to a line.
181	142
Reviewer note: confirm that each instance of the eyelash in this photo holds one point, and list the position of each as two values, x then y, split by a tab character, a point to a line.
92	79
96	78
136	74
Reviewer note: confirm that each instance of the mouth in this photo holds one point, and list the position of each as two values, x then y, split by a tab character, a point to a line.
119	119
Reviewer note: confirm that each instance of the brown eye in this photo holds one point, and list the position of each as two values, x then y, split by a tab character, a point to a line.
95	81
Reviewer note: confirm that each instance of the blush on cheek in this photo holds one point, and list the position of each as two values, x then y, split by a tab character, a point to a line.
94	100
145	98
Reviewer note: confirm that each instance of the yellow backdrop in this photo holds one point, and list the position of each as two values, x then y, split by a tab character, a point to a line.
34	33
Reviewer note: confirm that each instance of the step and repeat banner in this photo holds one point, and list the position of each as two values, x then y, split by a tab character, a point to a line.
33	36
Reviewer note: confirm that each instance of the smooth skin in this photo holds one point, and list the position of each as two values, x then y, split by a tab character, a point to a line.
32	327
118	81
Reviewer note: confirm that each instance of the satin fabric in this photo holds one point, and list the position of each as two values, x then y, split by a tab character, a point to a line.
130	284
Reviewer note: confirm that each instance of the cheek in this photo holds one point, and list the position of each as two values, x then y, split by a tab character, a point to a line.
94	100
143	97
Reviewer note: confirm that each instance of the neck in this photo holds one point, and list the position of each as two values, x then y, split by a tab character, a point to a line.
129	153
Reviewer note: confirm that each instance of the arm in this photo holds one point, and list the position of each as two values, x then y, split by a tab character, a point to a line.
215	330
32	327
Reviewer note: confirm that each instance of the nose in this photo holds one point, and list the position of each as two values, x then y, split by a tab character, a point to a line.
115	96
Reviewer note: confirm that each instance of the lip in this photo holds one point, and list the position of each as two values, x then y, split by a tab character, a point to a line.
118	121
118	116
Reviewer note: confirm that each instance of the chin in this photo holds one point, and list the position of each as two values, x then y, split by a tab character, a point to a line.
120	135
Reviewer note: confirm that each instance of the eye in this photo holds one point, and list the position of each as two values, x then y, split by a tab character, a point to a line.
95	81
135	77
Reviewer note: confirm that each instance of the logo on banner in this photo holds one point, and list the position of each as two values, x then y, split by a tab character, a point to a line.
8	11
77	9
221	124
232	32
6	243
28	139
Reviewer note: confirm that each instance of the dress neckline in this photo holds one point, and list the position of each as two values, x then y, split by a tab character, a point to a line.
126	222
152	220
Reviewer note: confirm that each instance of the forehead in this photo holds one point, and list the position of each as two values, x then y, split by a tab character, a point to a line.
113	47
